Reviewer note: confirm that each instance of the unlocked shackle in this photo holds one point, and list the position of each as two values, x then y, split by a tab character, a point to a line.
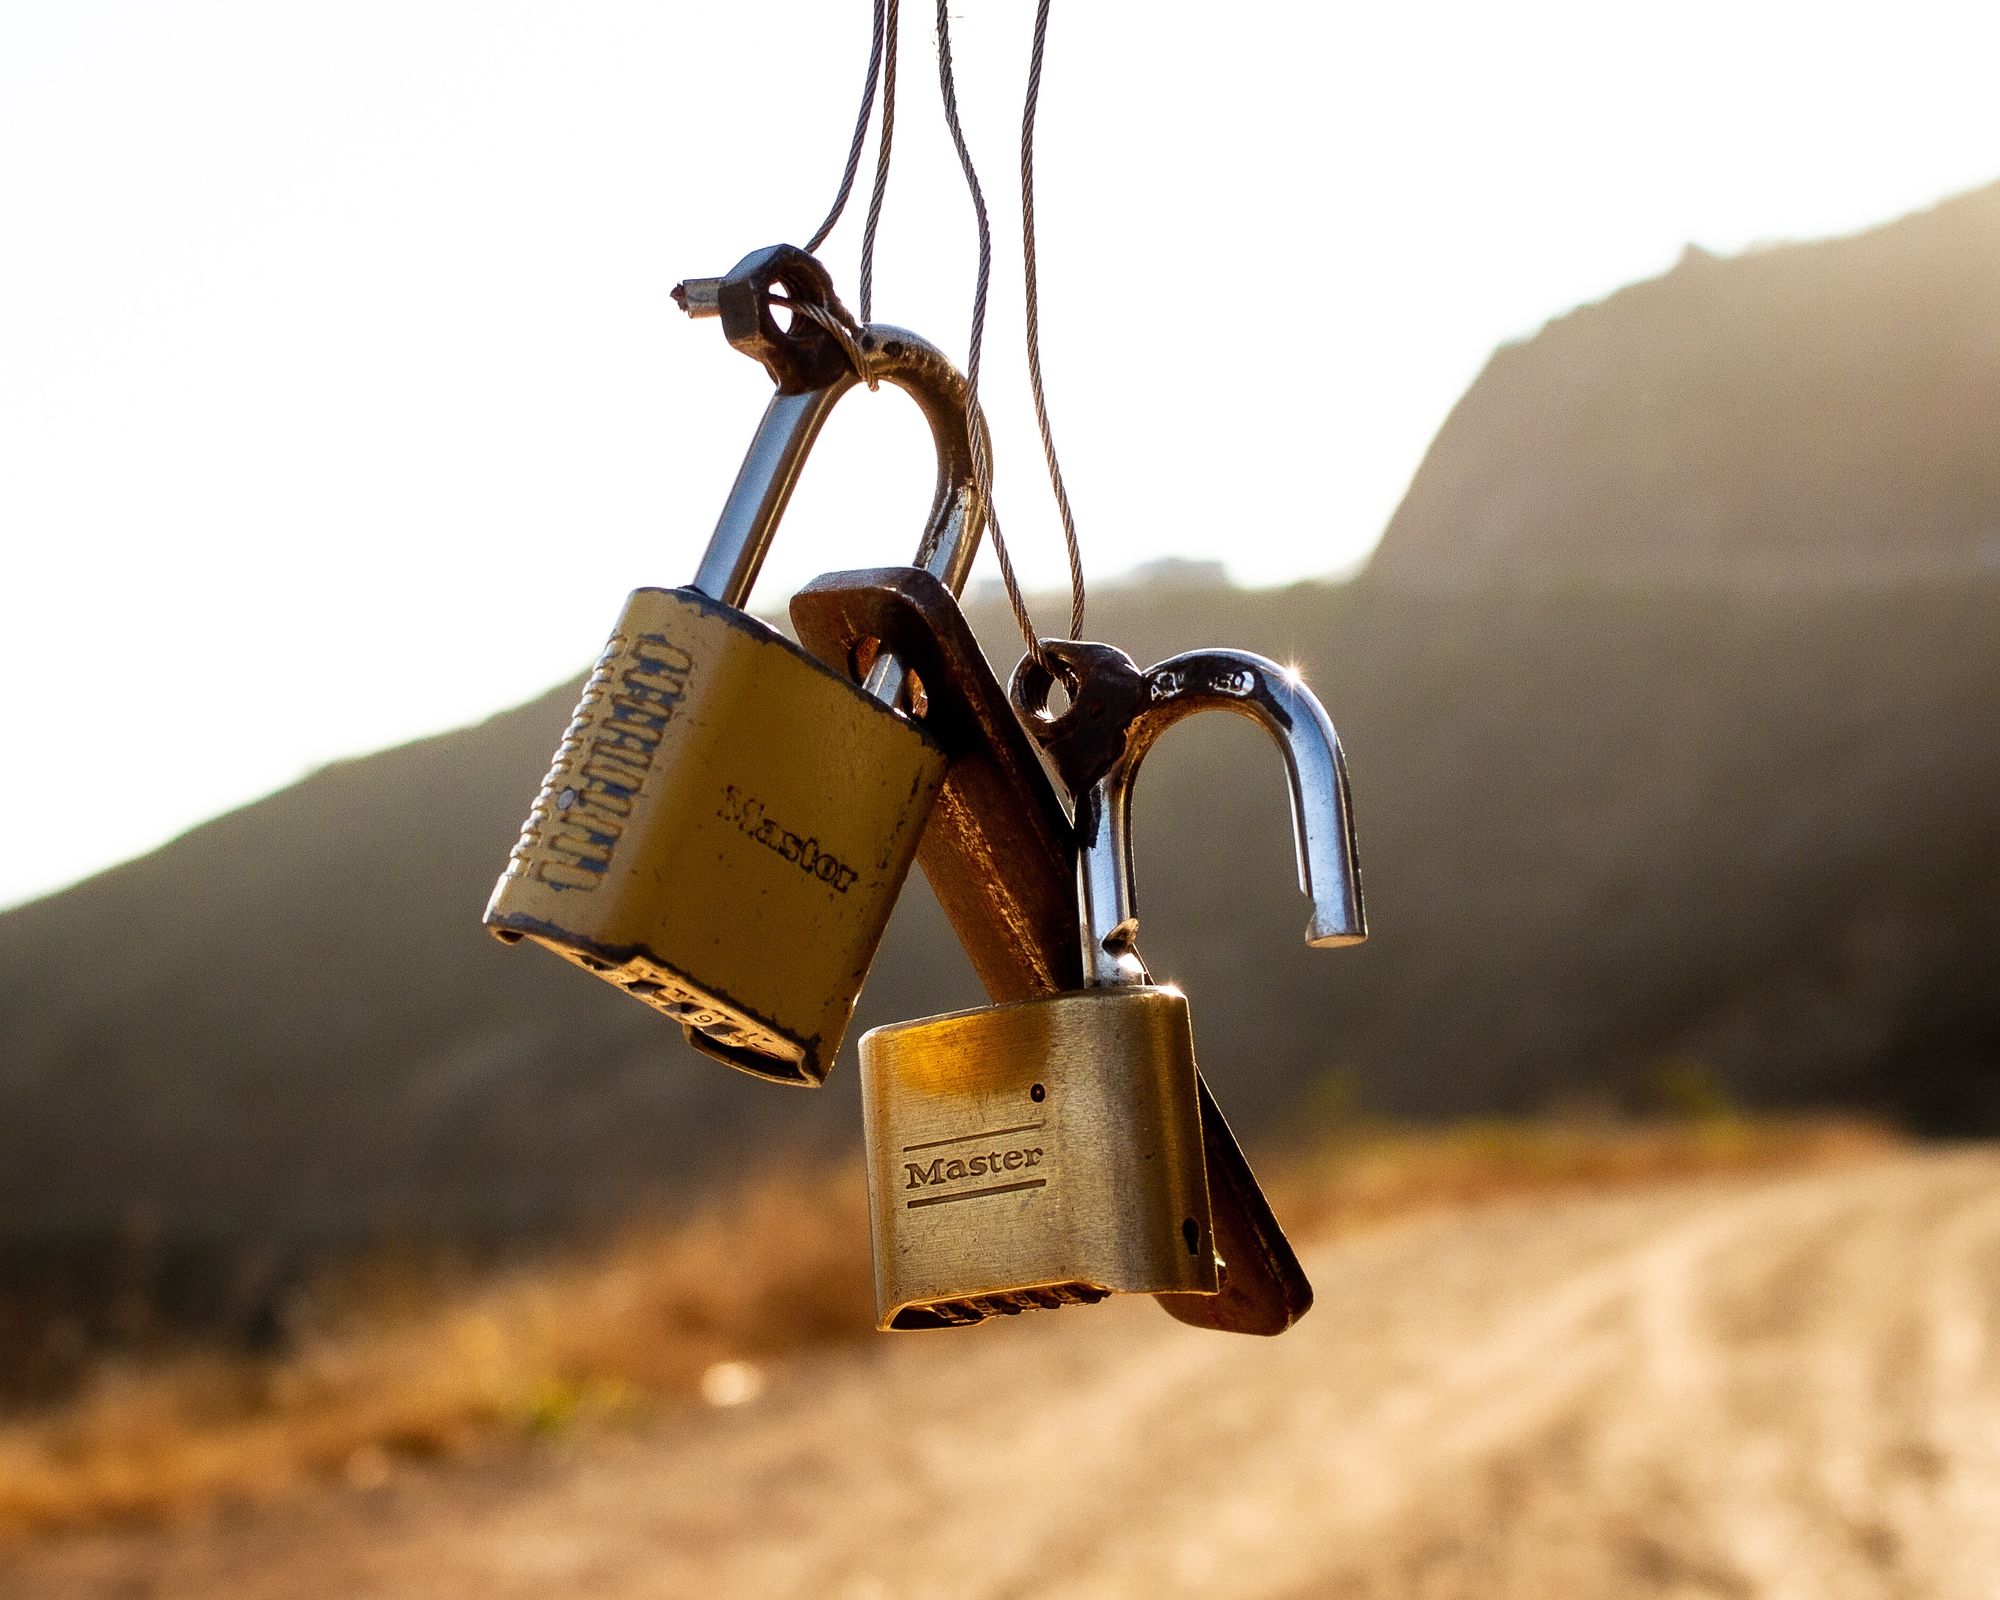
813	369
1117	713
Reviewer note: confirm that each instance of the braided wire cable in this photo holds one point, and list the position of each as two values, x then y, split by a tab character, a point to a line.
881	152
1028	110
882	75
881	72
860	137
840	325
982	455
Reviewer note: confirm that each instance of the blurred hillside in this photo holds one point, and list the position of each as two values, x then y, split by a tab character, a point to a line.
1804	412
1671	707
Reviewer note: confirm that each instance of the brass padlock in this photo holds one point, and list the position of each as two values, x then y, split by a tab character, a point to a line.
727	822
1049	1152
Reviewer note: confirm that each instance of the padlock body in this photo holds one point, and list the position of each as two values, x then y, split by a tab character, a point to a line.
723	833
1042	1153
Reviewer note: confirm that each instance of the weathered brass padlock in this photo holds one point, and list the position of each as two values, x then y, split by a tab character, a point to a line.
1019	925
727	822
1049	1151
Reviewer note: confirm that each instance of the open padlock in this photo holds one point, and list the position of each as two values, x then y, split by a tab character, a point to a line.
1049	1151
727	822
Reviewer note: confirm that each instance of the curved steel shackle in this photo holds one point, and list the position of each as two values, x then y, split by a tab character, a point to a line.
812	371
785	436
1118	713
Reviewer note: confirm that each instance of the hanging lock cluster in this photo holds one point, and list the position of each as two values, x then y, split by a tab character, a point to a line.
727	822
730	817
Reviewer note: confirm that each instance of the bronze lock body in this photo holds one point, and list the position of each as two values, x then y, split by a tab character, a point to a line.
727	822
1042	1153
1088	1100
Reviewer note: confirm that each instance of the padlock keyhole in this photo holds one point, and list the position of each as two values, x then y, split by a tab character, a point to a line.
1191	1231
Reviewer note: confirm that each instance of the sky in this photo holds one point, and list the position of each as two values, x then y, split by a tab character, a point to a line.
342	399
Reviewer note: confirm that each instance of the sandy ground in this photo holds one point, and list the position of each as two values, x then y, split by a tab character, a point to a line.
1787	1387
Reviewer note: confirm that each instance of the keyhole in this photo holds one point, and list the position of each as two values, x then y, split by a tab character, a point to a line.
1191	1231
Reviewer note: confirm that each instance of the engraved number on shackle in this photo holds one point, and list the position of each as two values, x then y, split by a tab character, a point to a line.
1167	685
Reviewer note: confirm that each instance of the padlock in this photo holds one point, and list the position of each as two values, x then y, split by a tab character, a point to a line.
1018	924
1048	1152
727	822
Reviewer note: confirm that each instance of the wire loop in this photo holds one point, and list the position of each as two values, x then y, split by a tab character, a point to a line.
982	454
843	330
1034	316
860	136
882	74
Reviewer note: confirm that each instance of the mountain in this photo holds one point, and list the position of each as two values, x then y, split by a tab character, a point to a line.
1671	708
1806	412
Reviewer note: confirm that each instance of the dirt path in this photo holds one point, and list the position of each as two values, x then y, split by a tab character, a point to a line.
1780	1388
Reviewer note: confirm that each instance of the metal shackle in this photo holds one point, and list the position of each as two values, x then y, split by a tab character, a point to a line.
1117	713
813	370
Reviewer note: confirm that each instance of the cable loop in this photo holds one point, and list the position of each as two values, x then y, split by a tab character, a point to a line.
1029	107
882	71
844	331
842	327
982	455
881	188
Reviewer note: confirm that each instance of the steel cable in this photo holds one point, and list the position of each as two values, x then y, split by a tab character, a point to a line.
882	72
982	456
882	75
1034	317
860	134
881	161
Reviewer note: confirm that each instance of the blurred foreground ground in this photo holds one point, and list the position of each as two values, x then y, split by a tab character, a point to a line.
1775	1385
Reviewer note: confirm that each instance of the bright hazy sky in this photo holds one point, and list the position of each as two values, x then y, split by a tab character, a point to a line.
341	399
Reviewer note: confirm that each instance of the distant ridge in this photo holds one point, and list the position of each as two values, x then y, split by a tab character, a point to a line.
1804	412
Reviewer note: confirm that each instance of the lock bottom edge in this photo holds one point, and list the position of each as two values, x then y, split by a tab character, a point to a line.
964	1311
759	1048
